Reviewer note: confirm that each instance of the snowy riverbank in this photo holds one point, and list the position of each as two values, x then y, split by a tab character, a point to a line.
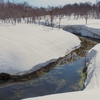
27	46
92	29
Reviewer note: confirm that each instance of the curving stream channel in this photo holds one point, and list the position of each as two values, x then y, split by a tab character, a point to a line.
64	75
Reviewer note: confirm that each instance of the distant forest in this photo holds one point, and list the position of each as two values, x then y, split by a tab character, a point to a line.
14	12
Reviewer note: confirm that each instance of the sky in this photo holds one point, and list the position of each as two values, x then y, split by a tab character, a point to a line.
46	3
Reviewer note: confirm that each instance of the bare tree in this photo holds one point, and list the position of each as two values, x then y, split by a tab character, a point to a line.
50	15
13	12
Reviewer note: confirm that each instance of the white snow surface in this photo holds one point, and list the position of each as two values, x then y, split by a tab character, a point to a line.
93	77
92	90
91	29
26	46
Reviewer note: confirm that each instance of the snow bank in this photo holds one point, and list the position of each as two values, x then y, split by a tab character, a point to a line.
24	46
83	30
92	29
93	77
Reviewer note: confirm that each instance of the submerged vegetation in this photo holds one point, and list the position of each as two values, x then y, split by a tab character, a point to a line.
64	75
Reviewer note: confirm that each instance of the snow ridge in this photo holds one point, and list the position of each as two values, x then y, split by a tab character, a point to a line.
94	66
83	30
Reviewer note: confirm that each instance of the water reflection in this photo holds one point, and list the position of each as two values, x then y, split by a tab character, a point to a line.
60	79
66	76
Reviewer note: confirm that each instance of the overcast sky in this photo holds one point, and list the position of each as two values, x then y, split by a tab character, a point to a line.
45	3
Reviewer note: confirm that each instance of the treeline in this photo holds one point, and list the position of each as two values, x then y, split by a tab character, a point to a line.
14	12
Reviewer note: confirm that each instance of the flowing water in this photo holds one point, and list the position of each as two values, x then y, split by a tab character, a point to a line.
66	76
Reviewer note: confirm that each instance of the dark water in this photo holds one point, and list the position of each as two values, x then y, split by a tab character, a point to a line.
62	78
66	76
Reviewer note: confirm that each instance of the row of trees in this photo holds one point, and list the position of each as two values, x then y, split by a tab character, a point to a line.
14	12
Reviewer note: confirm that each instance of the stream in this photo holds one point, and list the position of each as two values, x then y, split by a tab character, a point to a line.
65	76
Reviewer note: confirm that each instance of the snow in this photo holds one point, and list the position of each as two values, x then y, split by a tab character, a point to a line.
93	79
84	30
92	83
87	95
27	46
90	22
92	29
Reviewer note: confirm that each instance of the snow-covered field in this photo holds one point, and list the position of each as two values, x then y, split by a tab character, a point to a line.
26	46
92	90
